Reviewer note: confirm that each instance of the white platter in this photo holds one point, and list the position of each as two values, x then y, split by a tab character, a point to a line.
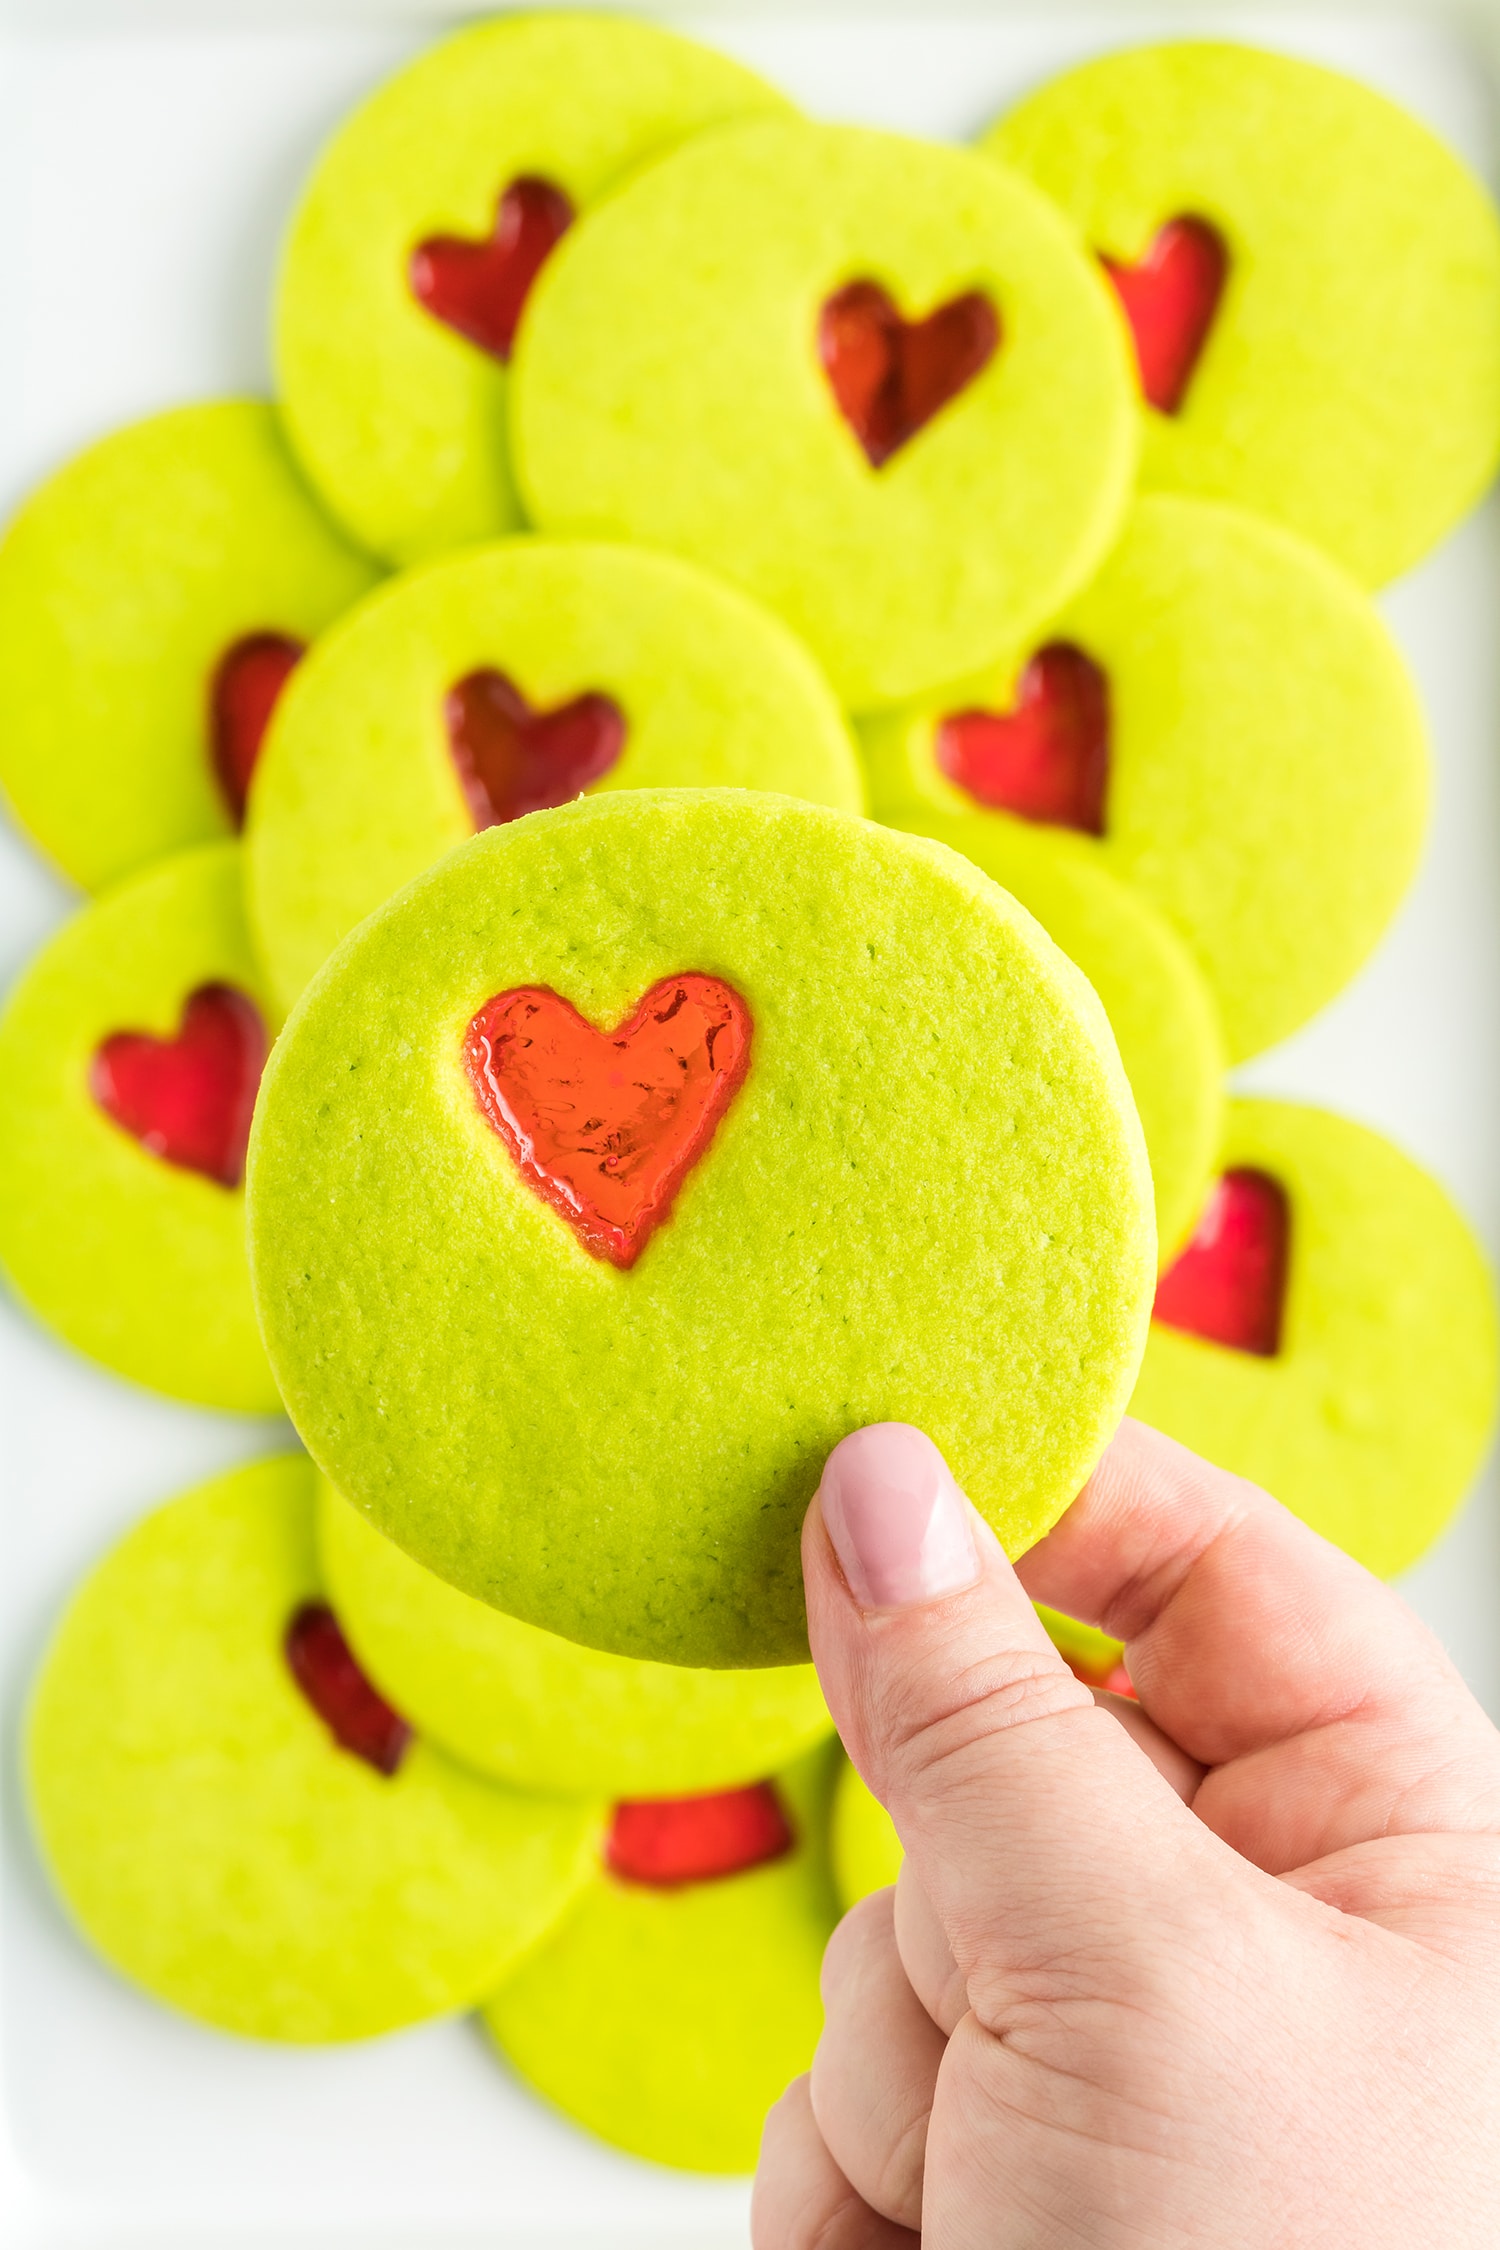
148	156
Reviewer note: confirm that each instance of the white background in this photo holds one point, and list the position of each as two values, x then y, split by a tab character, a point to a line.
147	164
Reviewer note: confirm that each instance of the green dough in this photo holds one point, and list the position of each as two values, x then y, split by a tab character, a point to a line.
929	1201
1350	384
123	580
135	1261
1373	1417
212	1839
400	419
668	388
1268	768
543	1713
667	2021
864	1848
357	791
1157	1004
863	1845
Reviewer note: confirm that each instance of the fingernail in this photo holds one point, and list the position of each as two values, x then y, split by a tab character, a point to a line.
899	1524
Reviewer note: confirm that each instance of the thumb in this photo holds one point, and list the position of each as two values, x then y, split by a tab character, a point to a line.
1028	1816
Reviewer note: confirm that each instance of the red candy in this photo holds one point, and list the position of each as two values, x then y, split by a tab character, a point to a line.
1116	1679
606	1125
890	375
667	1840
188	1100
513	760
1048	759
1170	300
355	1714
247	680
1230	1282
479	288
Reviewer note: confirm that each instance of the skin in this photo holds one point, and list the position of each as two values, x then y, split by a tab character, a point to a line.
1227	1980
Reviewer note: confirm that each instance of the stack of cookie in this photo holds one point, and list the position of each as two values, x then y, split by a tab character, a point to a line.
502	1039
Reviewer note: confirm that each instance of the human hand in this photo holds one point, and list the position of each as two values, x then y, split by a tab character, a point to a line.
1230	1978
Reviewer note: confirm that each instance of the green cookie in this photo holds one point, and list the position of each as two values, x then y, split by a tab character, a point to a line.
670	386
543	1713
925	1199
1153	994
214	1841
398	415
358	790
1267	768
1372	1416
1349	384
124	581
135	1258
667	2021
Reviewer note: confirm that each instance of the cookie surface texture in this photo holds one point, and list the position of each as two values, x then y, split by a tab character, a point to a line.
134	1258
212	1839
1349	380
1154	995
1267	782
928	1188
544	1713
1371	1417
125	581
398	415
359	789
710	1999
669	387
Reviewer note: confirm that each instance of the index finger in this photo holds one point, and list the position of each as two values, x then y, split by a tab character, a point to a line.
1327	1711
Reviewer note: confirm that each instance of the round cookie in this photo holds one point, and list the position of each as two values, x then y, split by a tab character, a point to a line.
130	1054
870	379
1260	745
1330	353
1153	994
543	1713
666	2016
505	679
453	179
615	1170
1343	1352
211	1834
152	595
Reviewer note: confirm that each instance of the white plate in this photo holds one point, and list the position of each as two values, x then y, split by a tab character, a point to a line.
146	172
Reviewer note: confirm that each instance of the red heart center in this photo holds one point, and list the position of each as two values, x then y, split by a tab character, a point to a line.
479	288
1046	760
606	1125
247	680
513	760
188	1100
667	1840
1229	1283
1170	299
355	1713
890	375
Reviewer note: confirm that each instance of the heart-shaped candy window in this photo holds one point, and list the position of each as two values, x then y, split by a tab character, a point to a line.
511	759
247	681
1229	1283
1171	298
1047	759
663	1841
480	288
355	1713
188	1099
890	376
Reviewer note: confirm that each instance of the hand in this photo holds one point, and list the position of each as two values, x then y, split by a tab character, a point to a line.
1230	1980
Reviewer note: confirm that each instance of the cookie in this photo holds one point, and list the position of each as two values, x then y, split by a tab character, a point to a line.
154	595
544	1713
130	1054
608	1176
680	1997
502	681
1313	279
1222	720
235	1820
869	379
418	238
1329	1332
